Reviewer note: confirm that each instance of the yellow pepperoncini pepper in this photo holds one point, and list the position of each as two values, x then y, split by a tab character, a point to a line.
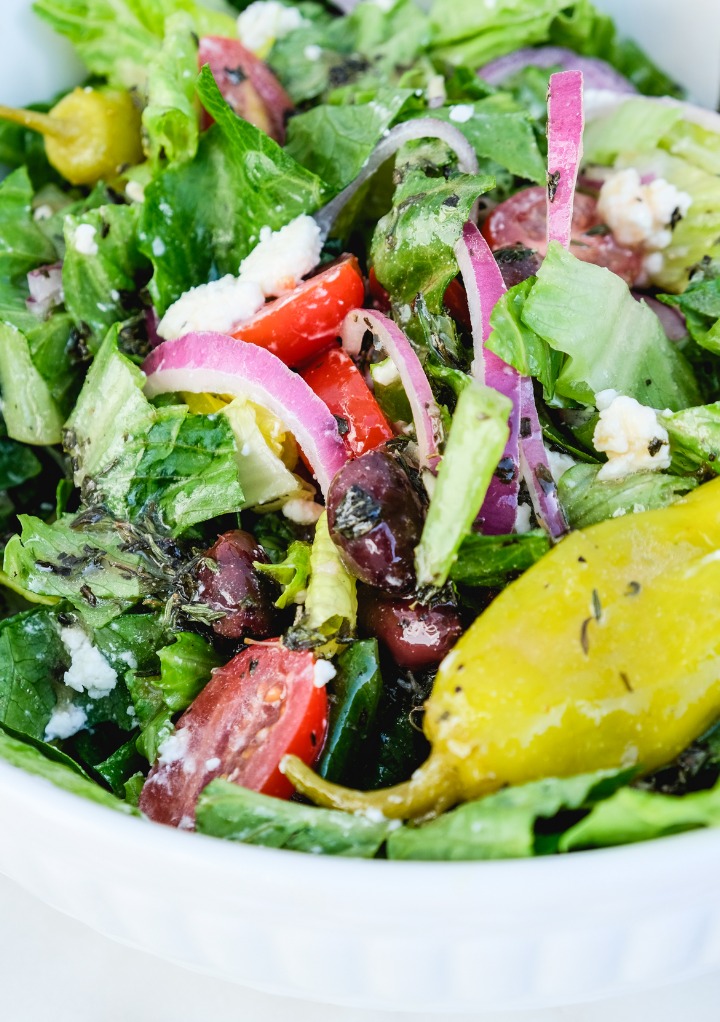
91	134
605	654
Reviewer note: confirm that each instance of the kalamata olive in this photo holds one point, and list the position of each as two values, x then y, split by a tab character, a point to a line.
417	635
517	263
234	586
375	520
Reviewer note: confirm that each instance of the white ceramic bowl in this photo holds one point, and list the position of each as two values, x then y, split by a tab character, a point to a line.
408	936
459	937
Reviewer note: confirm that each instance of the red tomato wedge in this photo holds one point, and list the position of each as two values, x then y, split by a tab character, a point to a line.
521	219
261	705
247	84
303	323
336	379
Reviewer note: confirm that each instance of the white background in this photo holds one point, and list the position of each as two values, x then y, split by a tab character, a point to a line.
52	968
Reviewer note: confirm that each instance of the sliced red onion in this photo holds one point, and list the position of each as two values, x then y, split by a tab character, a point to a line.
535	467
46	289
408	131
565	131
217	364
485	286
426	414
598	73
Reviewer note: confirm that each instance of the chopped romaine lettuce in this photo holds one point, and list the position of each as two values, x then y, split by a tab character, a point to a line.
700	305
32	661
694	439
518	344
201	218
31	759
587	500
492	561
292	574
226	810
31	415
503	825
170	119
412	246
476	443
121	38
612	341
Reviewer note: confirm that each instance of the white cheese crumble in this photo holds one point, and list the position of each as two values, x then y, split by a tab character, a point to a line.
641	214
461	113
158	247
312	52
264	21
523	518
282	258
174	748
559	463
301	511
219	305
89	671
66	721
212	764
84	240
43	212
631	436
135	191
323	672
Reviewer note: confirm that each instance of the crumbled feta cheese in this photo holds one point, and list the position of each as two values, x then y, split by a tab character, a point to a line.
174	748
212	764
219	305
384	5
282	258
385	373
559	464
641	214
631	436
462	112
312	52
264	21
84	240
43	212
89	671
134	191
66	721
523	518
158	247
301	511
323	672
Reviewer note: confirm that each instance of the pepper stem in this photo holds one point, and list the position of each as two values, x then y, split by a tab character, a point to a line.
430	790
42	123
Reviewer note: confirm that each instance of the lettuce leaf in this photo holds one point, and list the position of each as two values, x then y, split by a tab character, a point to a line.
31	415
121	38
503	825
201	218
634	815
412	246
476	33
587	500
23	246
335	141
140	461
695	439
292	573
31	759
493	561
228	811
517	344
102	287
612	341
700	305
32	661
170	119
476	443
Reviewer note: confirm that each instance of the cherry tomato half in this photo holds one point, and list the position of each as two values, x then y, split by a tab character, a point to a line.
303	323
247	84
337	380
521	220
261	705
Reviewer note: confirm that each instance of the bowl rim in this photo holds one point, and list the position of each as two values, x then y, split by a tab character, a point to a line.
133	830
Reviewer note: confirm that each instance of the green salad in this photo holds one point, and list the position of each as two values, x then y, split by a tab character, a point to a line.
360	374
